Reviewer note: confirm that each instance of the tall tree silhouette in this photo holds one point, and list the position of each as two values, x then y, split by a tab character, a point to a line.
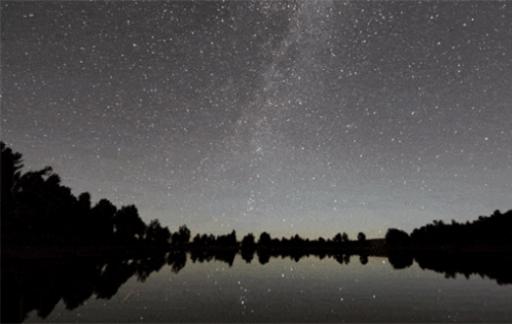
102	215
37	210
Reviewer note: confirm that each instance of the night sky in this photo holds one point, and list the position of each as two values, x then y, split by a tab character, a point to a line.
301	116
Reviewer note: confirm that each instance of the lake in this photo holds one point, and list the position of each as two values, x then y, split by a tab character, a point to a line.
284	290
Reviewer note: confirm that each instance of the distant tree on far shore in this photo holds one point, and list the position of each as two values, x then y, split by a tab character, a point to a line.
396	237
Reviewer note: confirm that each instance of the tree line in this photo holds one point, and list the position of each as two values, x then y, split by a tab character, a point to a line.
483	233
37	210
39	285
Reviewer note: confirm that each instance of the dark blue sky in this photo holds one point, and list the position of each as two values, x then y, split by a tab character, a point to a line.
301	116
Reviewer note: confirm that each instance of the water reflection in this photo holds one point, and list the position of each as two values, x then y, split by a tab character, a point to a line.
39	285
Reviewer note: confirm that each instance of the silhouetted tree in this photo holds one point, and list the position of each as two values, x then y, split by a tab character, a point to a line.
248	247
84	201
265	239
182	237
11	166
128	225
102	215
397	238
228	240
157	234
361	237
248	241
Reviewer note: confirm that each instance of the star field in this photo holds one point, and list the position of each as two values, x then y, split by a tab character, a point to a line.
299	116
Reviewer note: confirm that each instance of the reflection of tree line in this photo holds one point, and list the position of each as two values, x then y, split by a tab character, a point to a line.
39	284
40	216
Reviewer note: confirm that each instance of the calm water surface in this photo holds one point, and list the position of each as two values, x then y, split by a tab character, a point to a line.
308	290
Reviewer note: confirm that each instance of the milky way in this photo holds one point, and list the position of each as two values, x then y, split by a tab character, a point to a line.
312	117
